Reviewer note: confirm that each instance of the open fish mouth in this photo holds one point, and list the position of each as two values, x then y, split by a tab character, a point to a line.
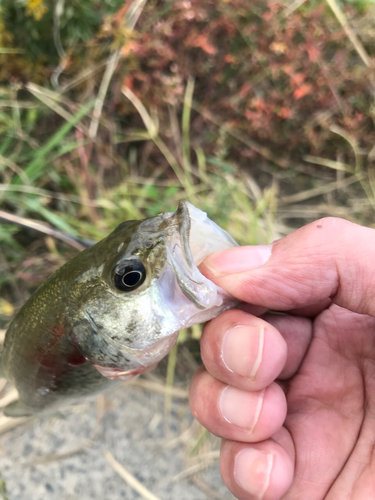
196	299
200	235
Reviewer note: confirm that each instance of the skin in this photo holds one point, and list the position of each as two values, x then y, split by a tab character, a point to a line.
301	425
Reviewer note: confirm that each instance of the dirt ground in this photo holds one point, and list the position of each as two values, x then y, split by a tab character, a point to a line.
63	457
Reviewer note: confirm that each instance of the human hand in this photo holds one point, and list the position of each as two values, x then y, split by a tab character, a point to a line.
310	435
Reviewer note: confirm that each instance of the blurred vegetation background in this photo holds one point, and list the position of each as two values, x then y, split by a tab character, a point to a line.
259	112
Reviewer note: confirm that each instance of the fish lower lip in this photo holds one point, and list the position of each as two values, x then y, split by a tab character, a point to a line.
144	360
119	374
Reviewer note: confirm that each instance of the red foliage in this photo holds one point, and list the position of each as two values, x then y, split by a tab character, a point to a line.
256	68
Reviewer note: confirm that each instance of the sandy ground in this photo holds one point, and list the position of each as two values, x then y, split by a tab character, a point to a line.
63	457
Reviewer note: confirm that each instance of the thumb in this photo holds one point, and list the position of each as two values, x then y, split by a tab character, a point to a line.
330	258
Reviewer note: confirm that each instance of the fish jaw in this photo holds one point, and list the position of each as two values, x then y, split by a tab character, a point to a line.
191	297
145	361
123	375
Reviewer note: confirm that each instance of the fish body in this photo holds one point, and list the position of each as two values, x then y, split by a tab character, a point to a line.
114	310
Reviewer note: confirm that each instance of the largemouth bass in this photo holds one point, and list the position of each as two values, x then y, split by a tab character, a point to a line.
113	311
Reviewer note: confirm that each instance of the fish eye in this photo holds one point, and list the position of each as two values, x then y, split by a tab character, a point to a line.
129	275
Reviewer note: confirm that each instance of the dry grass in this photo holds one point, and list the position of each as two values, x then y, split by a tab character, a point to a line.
129	478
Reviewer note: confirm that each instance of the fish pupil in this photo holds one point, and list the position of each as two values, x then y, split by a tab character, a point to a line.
129	275
132	278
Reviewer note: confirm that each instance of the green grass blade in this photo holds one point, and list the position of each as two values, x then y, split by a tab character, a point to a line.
35	205
5	50
5	145
202	167
35	168
186	112
172	359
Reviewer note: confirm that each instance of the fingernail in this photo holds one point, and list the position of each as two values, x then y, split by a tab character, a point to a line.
242	350
238	259
241	408
252	471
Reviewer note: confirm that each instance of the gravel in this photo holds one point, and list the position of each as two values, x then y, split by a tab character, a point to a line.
63	457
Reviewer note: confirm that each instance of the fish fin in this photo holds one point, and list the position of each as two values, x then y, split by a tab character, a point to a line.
18	409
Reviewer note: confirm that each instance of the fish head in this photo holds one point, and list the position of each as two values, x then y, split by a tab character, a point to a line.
145	286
